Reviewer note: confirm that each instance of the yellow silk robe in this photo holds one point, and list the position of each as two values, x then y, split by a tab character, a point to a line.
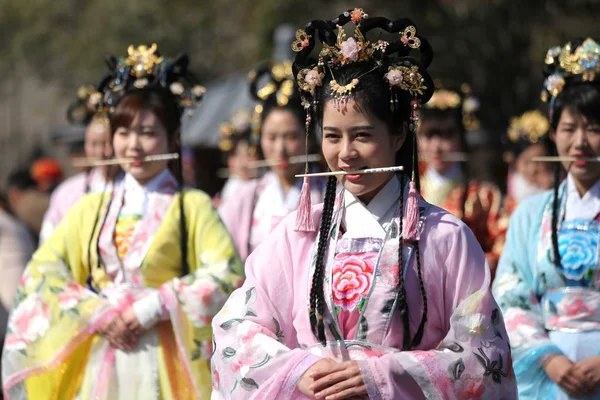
51	336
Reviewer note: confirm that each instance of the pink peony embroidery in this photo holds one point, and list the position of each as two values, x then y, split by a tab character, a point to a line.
71	296
30	320
201	300
350	49
352	279
574	307
471	389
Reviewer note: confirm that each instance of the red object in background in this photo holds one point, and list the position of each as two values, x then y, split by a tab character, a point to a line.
47	173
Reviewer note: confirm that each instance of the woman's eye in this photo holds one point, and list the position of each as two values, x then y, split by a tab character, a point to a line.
331	136
122	132
363	134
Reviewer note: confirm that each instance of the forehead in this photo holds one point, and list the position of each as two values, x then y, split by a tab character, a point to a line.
570	115
441	123
346	114
144	118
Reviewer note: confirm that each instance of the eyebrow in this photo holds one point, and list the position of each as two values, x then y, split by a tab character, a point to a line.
353	129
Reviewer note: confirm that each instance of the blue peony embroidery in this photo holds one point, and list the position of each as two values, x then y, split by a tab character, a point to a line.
579	251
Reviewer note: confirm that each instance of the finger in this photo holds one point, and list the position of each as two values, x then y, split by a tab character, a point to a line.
321	371
342	386
577	379
340	373
348	393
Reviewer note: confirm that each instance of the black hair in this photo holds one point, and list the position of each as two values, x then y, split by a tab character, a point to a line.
392	106
21	179
583	98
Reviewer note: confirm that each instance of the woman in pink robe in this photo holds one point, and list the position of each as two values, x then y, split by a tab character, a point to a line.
390	299
260	204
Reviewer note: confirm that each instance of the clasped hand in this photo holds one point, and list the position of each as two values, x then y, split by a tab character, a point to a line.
123	330
577	379
330	380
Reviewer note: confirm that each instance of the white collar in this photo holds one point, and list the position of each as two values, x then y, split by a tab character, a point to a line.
371	220
584	207
132	185
436	179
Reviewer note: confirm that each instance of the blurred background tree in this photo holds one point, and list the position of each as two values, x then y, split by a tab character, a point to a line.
50	47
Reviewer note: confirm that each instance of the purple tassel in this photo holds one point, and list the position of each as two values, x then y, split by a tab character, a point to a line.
411	216
304	219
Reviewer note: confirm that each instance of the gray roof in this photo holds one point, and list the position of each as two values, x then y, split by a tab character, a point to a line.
222	99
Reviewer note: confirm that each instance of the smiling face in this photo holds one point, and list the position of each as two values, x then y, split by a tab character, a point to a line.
282	137
354	139
145	136
577	136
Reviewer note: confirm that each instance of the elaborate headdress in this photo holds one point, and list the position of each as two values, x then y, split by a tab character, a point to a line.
145	68
462	101
576	61
238	128
529	128
409	83
83	109
271	84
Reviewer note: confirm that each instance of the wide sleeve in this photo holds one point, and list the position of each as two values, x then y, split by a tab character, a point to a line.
215	270
54	314
473	359
514	289
256	353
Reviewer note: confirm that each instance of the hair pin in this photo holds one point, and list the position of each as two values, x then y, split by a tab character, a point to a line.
564	158
85	162
358	172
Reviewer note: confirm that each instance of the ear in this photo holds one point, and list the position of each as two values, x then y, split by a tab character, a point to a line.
553	136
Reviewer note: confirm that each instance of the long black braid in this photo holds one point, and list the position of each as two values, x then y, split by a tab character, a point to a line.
555	207
402	303
185	266
317	296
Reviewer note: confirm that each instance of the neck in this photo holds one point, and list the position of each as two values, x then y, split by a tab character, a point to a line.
583	186
367	197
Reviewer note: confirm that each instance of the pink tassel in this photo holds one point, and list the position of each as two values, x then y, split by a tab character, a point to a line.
304	219
411	216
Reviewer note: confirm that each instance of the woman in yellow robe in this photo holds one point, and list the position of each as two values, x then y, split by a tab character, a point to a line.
117	304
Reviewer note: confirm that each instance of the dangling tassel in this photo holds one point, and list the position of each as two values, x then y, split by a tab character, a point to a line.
304	219
411	215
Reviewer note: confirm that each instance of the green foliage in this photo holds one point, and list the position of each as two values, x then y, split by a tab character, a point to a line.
496	45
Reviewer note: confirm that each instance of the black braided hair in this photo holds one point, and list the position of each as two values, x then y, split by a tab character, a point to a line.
419	335
185	265
89	279
402	303
375	95
317	296
555	206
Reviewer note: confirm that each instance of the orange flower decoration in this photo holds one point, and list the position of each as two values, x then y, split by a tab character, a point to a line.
357	15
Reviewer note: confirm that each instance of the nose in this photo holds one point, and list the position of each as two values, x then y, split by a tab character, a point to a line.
134	141
279	147
348	151
580	140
